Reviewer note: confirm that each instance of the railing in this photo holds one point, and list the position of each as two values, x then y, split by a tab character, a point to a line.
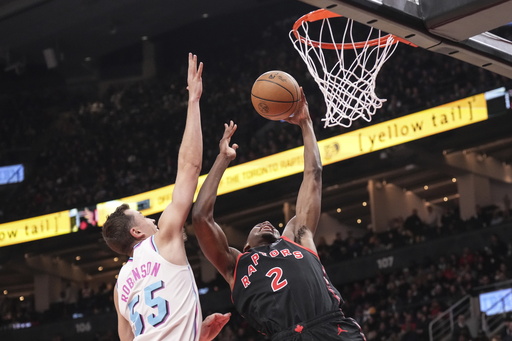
441	328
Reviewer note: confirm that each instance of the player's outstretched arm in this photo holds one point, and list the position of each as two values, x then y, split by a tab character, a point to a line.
211	238
302	226
190	157
212	325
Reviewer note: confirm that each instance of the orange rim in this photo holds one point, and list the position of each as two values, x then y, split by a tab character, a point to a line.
321	14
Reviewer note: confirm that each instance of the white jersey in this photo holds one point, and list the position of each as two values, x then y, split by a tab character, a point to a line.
160	299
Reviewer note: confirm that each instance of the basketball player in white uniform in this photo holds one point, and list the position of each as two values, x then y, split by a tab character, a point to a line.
156	295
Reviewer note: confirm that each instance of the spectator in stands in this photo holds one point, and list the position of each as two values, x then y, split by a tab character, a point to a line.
507	212
323	250
506	335
482	216
414	225
422	326
497	217
354	246
467	257
497	247
395	236
432	222
338	248
460	329
408	329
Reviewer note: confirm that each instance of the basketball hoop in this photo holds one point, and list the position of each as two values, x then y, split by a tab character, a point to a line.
349	85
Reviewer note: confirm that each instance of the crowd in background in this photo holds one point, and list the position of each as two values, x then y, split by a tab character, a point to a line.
83	148
394	305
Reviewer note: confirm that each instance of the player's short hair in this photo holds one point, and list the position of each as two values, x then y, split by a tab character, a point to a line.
116	231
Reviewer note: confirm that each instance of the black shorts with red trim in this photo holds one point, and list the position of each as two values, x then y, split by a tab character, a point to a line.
333	326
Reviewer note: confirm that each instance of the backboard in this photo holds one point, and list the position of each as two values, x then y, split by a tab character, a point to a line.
475	31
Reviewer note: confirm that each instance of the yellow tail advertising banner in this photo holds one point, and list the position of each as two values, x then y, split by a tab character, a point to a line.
404	129
27	230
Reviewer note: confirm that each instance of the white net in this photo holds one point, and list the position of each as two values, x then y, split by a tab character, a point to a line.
345	70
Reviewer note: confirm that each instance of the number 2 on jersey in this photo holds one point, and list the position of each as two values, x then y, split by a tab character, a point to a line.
277	274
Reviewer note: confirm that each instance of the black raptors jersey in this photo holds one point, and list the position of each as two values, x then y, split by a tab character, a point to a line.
280	285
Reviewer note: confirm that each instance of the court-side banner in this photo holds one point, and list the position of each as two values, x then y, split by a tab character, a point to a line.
27	230
342	147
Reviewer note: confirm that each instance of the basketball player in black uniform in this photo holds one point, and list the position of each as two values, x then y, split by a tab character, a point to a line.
278	283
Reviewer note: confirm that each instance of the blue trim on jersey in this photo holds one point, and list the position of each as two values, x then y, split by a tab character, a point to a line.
137	245
154	244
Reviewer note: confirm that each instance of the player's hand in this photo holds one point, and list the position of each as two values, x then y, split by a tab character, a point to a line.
194	79
302	112
225	149
212	325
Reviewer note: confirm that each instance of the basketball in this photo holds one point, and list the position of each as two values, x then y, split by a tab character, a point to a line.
275	95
